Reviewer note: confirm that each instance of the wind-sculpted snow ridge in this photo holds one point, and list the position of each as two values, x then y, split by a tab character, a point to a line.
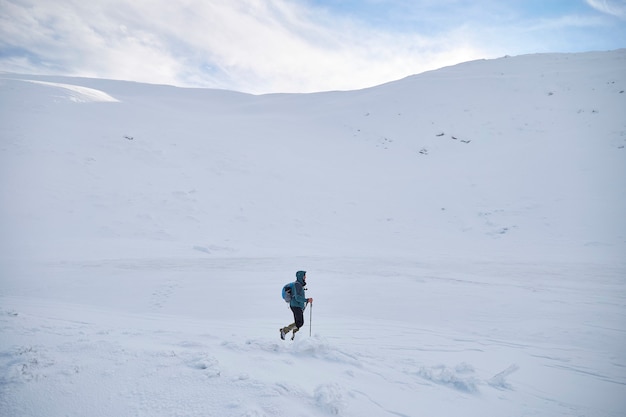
499	380
78	93
463	377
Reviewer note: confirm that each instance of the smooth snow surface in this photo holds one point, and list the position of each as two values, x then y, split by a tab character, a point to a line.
463	231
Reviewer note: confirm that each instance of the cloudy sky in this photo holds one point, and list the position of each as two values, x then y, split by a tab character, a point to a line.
261	46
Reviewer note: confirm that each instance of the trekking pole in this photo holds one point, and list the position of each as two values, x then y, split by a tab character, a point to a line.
310	318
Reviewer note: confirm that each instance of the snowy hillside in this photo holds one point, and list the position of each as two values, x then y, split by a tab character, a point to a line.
463	232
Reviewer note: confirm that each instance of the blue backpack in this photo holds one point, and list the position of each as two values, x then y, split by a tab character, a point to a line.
288	290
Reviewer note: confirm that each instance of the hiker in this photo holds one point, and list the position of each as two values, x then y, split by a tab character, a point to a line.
297	304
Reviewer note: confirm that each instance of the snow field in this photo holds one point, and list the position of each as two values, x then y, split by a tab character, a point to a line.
462	230
466	341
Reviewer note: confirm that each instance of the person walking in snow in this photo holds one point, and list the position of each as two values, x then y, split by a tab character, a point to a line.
297	304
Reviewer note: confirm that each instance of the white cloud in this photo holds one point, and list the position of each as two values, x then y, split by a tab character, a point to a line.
248	45
616	8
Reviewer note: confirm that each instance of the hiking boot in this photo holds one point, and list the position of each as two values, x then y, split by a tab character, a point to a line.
282	333
293	335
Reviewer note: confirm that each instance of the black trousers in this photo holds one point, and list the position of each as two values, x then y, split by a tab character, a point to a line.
298	316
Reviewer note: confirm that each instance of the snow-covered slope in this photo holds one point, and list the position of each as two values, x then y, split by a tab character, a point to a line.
520	153
524	154
463	230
